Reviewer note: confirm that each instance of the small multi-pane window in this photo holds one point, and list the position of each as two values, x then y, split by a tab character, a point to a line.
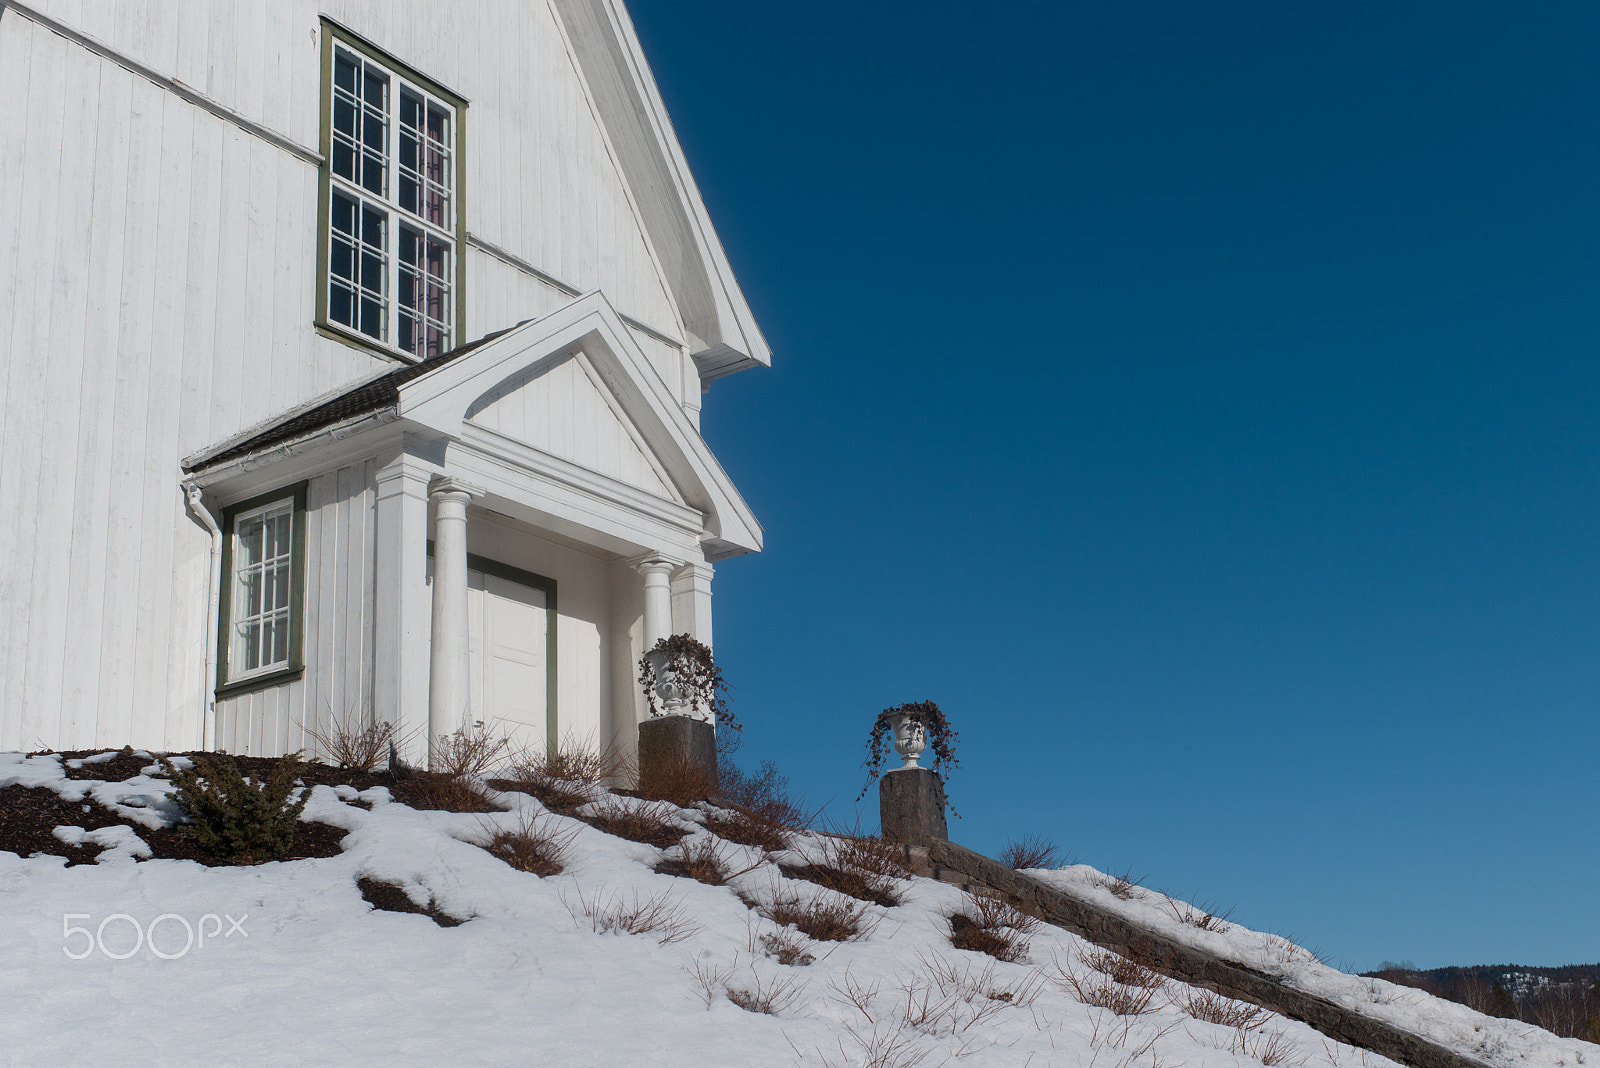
392	205
261	587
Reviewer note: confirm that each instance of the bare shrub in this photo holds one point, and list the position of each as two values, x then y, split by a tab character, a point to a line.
709	978
787	947
538	844
1209	1007
1205	917
948	997
467	752
1033	851
1123	886
862	867
1120	969
352	745
989	925
659	915
1101	991
655	825
823	918
1276	949
876	1046
773	996
700	860
747	828
442	792
1271	1048
563	776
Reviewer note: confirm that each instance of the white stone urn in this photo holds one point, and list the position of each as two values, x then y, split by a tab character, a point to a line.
910	738
669	696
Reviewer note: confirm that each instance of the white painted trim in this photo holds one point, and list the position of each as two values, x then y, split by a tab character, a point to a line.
722	331
177	88
440	400
592	484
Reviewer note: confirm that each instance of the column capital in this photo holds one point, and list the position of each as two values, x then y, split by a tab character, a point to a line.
655	564
450	486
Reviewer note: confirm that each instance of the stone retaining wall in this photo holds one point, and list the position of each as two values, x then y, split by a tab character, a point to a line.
952	863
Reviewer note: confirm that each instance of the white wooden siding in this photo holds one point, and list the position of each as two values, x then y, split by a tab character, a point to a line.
337	640
158	286
566	411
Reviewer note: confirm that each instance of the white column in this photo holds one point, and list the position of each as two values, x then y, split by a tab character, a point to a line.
449	694
691	601
657	571
400	600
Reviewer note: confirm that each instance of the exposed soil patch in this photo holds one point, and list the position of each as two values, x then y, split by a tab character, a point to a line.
391	898
125	765
438	792
30	814
554	794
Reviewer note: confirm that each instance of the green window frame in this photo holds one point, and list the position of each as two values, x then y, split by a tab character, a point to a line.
391	269
261	616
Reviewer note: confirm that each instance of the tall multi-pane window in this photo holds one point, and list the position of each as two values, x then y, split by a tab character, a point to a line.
392	219
262	588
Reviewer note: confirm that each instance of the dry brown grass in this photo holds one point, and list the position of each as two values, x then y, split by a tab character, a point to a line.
565	776
700	860
1123	886
772	996
1209	1007
786	947
1271	1048
1034	851
1202	916
1120	969
862	867
538	844
747	828
990	925
824	918
660	915
1097	988
652	824
353	746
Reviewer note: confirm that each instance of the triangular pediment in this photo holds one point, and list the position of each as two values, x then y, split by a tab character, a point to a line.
561	406
574	385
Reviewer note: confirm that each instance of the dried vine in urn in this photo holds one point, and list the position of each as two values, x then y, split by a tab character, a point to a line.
940	736
696	675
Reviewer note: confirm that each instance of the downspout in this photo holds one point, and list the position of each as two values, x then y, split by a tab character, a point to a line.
208	692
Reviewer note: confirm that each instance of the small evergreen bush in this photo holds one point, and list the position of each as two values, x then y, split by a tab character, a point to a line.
234	818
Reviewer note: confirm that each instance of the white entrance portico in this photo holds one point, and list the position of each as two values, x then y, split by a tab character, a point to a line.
570	509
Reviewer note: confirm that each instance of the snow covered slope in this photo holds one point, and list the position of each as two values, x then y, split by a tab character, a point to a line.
288	964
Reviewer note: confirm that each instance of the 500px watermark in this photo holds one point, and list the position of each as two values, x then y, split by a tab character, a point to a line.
170	924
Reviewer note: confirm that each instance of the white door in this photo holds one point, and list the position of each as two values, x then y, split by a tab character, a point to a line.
506	629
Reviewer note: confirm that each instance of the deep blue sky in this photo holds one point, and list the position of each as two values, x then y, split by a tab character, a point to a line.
1201	403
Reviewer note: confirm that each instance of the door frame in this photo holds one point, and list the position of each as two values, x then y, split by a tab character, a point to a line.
547	586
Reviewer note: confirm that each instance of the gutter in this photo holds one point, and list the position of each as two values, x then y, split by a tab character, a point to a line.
208	692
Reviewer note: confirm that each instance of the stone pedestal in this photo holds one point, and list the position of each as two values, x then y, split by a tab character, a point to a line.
911	806
673	750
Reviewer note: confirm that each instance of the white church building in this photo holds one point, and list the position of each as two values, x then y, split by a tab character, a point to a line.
352	357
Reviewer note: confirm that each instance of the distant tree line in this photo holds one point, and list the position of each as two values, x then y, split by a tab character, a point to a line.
1564	1001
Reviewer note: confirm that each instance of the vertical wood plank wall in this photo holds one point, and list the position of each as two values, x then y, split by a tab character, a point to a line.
157	291
337	685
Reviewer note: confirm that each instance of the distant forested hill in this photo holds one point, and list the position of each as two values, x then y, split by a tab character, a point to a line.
1563	1000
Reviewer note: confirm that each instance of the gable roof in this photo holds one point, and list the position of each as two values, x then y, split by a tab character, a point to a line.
372	395
440	394
724	337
